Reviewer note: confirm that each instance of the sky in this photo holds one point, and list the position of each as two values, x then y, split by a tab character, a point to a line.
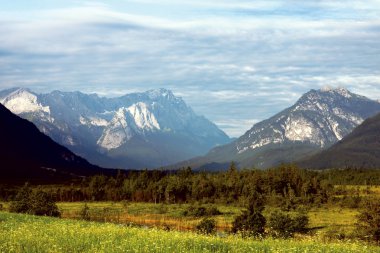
235	62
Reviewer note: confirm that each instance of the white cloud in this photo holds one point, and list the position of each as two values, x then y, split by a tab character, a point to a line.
232	61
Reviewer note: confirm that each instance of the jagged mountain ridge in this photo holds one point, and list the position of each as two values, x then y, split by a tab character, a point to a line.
316	121
27	154
132	131
359	149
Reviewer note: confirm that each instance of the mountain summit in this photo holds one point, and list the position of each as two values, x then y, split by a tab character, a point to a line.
138	130
317	120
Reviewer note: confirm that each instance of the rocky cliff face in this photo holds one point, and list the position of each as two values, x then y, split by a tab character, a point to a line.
317	120
148	129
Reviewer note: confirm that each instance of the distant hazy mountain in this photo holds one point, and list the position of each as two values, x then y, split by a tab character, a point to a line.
27	154
317	120
359	149
138	130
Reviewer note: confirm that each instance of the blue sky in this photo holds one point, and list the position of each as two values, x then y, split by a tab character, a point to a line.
236	62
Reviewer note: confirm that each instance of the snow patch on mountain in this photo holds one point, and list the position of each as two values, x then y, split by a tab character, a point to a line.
23	101
143	118
137	119
299	129
95	126
117	131
93	121
319	118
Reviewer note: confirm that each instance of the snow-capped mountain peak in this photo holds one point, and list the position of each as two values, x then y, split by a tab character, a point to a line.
319	118
156	93
132	131
23	101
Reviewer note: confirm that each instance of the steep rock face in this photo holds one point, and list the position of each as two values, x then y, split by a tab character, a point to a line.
148	129
320	118
317	120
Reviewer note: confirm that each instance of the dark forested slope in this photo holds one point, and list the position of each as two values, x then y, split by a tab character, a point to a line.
28	154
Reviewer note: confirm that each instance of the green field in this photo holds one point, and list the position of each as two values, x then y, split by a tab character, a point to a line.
159	215
25	233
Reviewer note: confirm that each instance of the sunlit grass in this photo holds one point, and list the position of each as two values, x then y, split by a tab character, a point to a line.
23	233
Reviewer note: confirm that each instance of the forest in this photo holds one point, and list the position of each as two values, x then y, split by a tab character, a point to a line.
282	186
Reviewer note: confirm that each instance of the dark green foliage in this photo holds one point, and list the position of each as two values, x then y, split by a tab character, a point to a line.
85	212
22	201
286	187
206	226
369	221
43	203
35	202
1	207
251	222
284	225
351	201
200	211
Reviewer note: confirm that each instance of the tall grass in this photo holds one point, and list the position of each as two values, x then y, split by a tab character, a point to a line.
24	233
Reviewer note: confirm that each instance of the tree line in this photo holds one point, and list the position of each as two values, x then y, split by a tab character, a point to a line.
283	186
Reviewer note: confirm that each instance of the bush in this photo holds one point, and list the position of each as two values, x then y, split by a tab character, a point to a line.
22	201
369	221
85	212
251	222
36	203
283	225
43	203
206	226
1	207
334	233
351	201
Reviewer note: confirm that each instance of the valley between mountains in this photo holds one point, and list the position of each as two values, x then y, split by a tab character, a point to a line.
83	158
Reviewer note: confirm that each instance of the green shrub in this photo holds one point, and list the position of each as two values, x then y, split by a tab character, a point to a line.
252	221
22	201
350	201
334	233
85	212
283	225
43	203
249	224
34	202
213	211
206	226
368	224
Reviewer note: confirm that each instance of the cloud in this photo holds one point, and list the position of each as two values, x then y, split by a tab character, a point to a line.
236	62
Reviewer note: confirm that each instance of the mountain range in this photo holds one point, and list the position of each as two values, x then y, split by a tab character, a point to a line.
138	130
359	149
319	119
28	154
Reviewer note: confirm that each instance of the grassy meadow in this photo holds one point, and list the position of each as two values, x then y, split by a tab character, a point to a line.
171	215
171	226
26	233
